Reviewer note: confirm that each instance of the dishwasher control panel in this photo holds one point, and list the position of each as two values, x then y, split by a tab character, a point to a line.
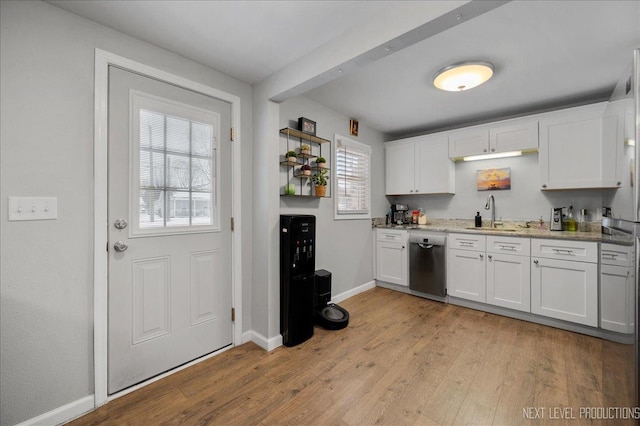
427	238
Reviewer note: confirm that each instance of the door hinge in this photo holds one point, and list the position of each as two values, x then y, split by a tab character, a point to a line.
233	314
232	224
107	246
233	135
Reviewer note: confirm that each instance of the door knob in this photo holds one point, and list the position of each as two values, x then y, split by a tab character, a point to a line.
120	223
119	246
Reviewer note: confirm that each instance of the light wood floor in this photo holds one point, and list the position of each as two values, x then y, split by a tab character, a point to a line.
402	360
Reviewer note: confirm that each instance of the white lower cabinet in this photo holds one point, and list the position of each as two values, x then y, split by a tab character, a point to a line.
466	267
509	281
564	289
616	288
466	275
392	263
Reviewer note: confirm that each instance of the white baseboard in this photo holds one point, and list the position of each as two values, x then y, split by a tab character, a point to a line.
263	342
350	293
62	414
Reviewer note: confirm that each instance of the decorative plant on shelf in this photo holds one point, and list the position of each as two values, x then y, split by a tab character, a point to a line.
319	179
306	170
305	149
321	162
291	156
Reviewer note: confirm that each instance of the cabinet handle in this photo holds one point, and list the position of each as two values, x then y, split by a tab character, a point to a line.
402	247
490	257
484	150
544	185
411	190
466	243
609	255
417	190
481	256
507	247
493	150
561	251
619	183
535	261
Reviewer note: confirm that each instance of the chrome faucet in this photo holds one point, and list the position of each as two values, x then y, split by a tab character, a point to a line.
491	204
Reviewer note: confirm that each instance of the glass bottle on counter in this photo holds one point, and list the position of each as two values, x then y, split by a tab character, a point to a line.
571	222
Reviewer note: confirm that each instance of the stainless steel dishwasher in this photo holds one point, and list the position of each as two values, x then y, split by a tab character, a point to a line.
427	263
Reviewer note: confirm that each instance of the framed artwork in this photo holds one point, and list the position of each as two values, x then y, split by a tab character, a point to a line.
493	179
307	126
353	127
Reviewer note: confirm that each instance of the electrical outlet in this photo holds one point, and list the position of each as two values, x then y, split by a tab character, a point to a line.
33	208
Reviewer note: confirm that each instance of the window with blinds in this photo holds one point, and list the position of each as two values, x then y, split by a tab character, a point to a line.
353	179
174	185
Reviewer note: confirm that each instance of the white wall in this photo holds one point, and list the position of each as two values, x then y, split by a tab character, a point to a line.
46	148
343	247
524	201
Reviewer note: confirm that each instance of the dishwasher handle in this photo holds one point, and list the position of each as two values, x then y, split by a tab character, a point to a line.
425	246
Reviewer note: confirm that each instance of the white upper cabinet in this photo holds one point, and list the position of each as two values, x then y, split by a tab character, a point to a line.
419	166
514	135
579	149
399	169
470	141
502	136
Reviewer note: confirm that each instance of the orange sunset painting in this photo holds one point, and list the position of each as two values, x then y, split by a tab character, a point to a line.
493	179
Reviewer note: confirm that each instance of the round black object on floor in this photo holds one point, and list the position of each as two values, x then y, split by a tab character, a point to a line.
332	317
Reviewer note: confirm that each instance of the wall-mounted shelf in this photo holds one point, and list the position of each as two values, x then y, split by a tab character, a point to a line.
303	136
300	138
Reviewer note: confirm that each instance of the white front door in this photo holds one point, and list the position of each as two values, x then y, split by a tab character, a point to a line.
169	227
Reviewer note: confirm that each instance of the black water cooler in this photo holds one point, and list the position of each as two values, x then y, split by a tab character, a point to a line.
297	272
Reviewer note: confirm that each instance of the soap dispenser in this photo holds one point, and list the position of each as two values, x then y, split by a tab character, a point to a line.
478	220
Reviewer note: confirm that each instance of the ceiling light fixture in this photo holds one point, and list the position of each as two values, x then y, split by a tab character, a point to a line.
463	76
491	156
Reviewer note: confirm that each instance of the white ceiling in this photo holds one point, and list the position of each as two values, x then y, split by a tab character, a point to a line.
546	53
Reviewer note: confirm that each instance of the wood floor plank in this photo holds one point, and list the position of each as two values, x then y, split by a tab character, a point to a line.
402	360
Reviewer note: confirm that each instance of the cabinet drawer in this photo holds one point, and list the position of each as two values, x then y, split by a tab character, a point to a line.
392	235
508	245
467	242
580	251
612	254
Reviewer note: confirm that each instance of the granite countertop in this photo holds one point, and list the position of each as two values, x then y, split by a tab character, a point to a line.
512	229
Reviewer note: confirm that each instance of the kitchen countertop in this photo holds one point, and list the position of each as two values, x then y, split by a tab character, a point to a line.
512	229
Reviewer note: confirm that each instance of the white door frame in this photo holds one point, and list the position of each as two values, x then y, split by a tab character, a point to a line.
103	60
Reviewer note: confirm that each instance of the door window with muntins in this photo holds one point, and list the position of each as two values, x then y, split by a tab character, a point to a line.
174	167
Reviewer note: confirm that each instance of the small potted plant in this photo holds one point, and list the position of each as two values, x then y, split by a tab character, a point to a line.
305	170
291	156
305	149
319	180
321	162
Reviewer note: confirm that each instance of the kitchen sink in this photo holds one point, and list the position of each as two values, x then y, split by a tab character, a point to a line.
493	229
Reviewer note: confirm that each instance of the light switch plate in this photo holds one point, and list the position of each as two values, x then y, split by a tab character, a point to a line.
33	208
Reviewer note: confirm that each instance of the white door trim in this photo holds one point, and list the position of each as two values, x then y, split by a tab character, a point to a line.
103	60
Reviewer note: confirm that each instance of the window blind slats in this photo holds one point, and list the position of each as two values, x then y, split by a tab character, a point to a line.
352	176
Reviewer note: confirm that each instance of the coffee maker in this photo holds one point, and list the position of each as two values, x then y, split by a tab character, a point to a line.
399	213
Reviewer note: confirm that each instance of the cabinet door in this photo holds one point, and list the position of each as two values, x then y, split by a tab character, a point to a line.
578	149
616	299
399	173
509	281
565	290
514	136
466	275
391	263
471	141
434	171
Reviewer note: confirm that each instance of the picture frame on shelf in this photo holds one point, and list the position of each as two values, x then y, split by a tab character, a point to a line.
307	126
